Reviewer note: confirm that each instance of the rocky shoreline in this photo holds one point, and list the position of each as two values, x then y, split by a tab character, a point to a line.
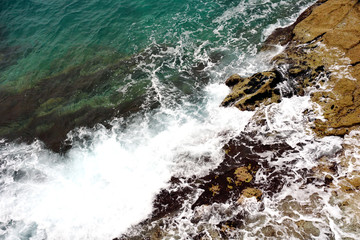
322	50
320	59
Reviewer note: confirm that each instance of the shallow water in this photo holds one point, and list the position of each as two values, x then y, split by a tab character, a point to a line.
108	180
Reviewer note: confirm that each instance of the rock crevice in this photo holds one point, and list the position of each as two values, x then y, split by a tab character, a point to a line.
322	51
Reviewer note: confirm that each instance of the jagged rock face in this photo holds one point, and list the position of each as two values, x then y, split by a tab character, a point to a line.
332	30
232	182
322	59
249	92
322	50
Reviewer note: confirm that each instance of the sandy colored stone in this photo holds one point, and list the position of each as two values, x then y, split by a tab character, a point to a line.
308	227
322	19
249	93
335	26
242	175
215	189
233	80
354	55
325	44
350	184
249	193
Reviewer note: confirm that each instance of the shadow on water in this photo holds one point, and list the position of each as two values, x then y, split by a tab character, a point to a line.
85	95
8	54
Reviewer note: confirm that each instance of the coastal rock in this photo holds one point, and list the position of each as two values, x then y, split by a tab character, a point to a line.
332	32
321	57
345	189
308	229
249	193
221	187
231	183
248	93
233	80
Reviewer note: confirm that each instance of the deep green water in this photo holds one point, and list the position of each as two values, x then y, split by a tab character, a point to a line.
51	37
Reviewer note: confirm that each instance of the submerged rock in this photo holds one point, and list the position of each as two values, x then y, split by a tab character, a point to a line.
54	106
9	56
77	97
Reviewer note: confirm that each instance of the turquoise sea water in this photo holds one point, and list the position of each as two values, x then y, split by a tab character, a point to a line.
50	37
174	53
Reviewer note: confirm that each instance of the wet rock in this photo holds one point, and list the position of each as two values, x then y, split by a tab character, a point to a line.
216	56
249	193
227	227
198	71
232	180
269	231
235	176
350	184
208	235
170	200
308	228
323	51
233	80
284	35
19	174
226	186
249	93
325	170
242	174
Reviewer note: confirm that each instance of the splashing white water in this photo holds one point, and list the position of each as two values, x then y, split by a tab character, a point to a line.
98	190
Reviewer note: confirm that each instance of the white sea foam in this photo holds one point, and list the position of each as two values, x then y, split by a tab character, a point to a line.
97	191
300	208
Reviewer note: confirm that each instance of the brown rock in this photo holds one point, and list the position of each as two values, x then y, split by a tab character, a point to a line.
249	193
249	92
233	80
242	175
324	41
325	18
308	228
335	25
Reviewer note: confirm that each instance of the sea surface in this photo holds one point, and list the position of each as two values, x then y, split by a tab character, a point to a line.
184	51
